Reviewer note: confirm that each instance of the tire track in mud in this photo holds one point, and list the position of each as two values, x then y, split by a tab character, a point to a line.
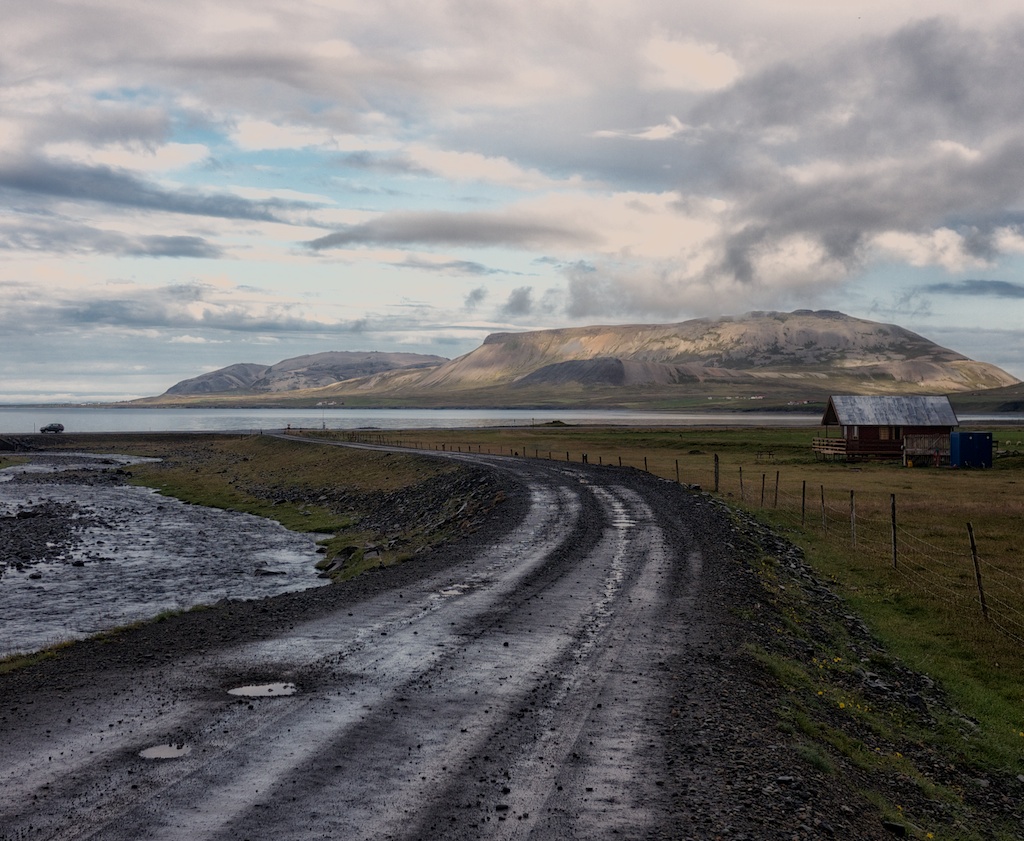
508	697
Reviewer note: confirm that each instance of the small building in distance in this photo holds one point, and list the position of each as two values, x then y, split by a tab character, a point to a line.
908	427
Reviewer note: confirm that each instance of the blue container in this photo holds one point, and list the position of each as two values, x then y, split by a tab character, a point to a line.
970	449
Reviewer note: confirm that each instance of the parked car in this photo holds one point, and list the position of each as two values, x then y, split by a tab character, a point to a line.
52	427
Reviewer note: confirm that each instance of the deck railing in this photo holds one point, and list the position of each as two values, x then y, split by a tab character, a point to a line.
829	446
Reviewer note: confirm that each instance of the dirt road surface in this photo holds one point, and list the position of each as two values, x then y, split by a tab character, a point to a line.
574	672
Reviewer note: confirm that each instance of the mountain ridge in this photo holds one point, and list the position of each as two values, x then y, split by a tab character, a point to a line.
803	354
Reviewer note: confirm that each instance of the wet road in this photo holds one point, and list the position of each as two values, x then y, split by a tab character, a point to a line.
512	695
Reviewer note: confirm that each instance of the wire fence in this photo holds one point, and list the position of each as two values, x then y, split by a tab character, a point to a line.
944	563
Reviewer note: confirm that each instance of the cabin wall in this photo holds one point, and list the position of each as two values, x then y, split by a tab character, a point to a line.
889	441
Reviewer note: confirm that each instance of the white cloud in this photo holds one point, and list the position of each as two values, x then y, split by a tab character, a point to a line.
472	166
254	135
163	158
672	127
683	64
942	247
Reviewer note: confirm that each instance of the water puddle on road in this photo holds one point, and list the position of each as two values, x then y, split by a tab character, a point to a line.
165	752
264	690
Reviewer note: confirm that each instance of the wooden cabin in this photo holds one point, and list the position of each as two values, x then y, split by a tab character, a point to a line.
908	427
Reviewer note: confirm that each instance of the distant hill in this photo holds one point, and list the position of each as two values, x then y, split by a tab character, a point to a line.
799	357
302	372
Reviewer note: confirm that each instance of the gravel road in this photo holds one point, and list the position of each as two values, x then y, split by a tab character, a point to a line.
574	670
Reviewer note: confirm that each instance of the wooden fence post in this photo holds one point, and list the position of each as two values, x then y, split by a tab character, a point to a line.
977	571
803	504
775	504
762	490
742	497
677	471
716	472
824	519
645	465
892	504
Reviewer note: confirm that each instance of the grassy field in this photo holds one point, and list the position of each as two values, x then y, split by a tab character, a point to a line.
926	608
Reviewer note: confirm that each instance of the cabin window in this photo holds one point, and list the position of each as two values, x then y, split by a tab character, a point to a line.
884	433
855	432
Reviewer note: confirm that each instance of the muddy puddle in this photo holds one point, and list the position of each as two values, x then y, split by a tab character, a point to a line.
134	555
264	690
165	752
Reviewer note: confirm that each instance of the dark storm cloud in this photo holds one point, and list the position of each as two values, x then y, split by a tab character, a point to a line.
104	185
452	229
979	288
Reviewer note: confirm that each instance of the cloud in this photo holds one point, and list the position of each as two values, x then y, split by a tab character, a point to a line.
519	303
194	340
40	178
61	236
446	228
475	297
181	306
131	156
979	288
458	267
687	65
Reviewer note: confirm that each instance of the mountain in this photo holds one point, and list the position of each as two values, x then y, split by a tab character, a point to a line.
302	372
781	358
769	349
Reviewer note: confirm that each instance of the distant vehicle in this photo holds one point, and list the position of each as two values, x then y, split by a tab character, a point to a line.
52	427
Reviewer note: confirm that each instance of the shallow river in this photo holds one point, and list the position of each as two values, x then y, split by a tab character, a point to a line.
143	553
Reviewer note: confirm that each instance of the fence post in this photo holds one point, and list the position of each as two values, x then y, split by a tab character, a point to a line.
566	455
824	519
803	504
645	465
742	497
620	461
775	504
677	471
977	571
716	472
853	520
892	503
762	490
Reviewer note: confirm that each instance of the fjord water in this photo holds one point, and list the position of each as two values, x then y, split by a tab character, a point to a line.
23	420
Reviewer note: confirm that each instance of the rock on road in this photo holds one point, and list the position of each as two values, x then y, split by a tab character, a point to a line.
555	682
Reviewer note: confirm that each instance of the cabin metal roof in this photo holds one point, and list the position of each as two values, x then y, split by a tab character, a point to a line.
888	410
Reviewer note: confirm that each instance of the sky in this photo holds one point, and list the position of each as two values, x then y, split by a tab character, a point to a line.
186	185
